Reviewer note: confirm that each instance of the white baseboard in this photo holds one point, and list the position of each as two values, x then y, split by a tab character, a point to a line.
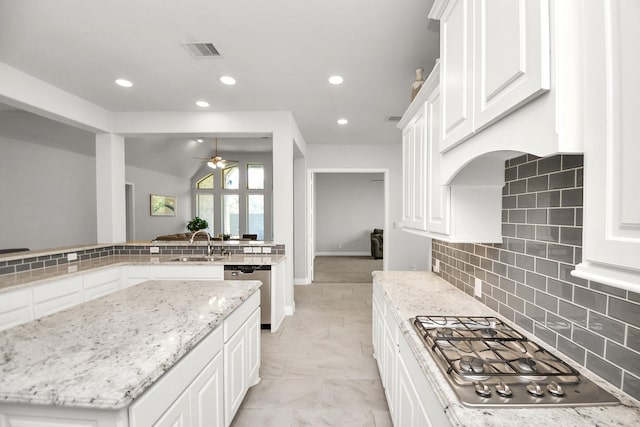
343	253
290	309
301	281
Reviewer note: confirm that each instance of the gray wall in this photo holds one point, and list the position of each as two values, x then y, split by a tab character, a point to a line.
48	196
348	207
145	183
527	278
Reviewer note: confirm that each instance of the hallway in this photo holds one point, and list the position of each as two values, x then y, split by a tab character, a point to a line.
318	370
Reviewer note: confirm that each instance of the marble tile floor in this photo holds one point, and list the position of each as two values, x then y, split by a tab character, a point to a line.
318	369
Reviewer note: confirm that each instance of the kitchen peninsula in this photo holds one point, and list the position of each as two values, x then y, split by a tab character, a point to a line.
142	355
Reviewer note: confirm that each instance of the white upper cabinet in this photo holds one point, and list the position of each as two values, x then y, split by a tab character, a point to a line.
494	58
611	252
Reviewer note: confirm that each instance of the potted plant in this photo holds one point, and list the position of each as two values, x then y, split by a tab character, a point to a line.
196	224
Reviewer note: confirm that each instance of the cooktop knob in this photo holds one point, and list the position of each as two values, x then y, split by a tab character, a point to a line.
482	389
503	389
555	389
535	389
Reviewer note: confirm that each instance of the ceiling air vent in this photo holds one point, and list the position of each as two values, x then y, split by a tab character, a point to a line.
393	118
202	50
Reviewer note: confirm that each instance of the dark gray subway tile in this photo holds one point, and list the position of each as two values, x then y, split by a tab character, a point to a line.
493	279
571	161
634	296
526	201
525	231
9	269
548	199
516	274
578	217
546	267
627	359
517	216
526	170
525	292
573	312
509	230
537	216
518	187
517	160
534	312
560	253
480	250
538	183
510	173
534	248
507	257
499	295
589	340
506	311
564	179
626	311
492	303
549	164
500	268
606	370
474	260
571	349
545	334
505	215
508	285
547	233
608	289
515	245
532	157
493	253
546	301
631	385
536	281
578	255
516	303
485	263
590	299
524	322
571	235
572	197
560	289
562	216
509	202
607	327
559	325
633	337
525	261
579	177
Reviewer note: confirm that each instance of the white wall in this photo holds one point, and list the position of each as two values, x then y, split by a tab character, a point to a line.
48	196
348	207
403	251
145	183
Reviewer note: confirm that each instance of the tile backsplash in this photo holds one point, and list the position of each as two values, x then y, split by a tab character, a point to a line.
527	278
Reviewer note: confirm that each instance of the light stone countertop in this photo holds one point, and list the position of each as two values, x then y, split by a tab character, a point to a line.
106	352
424	293
9	282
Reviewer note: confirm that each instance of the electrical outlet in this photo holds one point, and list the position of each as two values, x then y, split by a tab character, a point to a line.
247	250
478	288
73	256
436	267
154	250
266	250
257	250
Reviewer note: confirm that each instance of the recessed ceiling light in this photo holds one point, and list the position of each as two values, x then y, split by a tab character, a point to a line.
336	80
202	104
228	80
123	83
200	140
343	121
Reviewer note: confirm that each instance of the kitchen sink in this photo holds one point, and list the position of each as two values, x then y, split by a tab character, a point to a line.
198	258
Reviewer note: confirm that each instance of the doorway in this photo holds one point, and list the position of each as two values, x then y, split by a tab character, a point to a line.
345	205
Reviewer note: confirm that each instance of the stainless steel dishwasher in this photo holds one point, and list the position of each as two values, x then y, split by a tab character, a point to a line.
255	272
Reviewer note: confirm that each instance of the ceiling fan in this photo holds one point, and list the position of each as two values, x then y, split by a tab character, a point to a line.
217	161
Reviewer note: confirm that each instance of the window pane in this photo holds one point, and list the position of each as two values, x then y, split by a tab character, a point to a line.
231	215
206	182
230	178
255	177
255	215
204	209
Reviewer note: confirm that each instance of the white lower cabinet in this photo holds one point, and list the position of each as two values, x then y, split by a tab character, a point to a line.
178	415
102	282
15	308
56	295
207	399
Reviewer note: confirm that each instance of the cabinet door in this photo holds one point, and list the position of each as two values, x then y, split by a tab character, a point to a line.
235	373
178	414
15	308
55	296
390	356
511	46
377	338
407	174
101	283
456	72
419	205
253	348
438	195
207	392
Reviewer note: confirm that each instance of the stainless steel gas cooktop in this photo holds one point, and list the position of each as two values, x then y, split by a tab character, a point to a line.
490	364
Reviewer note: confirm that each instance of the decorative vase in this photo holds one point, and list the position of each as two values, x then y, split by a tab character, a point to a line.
415	87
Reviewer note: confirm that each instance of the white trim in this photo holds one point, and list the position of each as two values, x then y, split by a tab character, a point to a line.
302	282
290	309
343	253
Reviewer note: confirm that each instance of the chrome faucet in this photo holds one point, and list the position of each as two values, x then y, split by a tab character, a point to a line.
208	240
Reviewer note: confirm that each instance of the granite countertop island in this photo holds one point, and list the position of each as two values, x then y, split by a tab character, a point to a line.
424	293
104	353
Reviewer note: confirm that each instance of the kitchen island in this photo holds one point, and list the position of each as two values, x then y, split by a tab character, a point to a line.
416	388
128	357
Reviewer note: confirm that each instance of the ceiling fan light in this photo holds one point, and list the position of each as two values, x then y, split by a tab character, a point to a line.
211	165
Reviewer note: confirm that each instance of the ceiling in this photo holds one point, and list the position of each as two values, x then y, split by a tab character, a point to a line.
281	52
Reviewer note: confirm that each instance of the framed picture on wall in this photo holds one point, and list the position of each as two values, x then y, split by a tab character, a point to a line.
163	205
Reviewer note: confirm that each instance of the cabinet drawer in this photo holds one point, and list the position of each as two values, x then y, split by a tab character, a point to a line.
56	296
101	283
15	308
188	272
240	315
